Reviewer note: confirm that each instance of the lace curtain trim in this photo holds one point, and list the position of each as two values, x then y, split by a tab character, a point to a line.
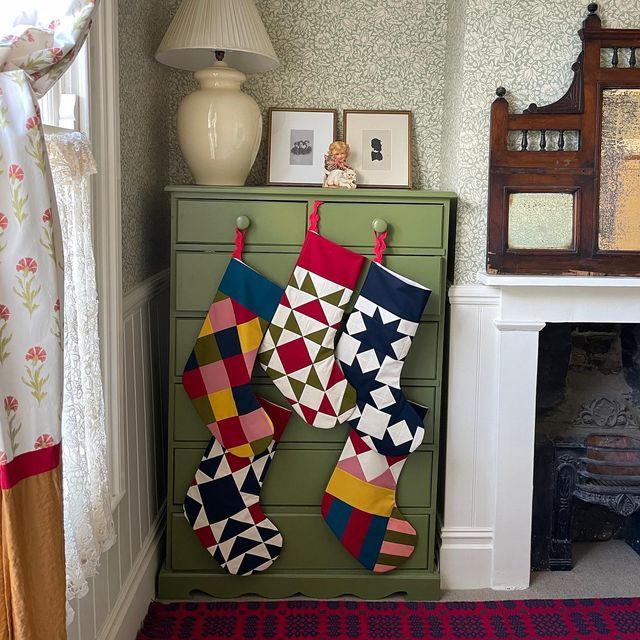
89	529
70	156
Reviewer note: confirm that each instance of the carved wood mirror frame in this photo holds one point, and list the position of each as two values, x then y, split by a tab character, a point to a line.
607	61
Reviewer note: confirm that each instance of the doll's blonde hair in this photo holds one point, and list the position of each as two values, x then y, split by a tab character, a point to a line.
338	146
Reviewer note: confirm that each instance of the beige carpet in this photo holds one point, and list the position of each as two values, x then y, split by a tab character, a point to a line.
601	570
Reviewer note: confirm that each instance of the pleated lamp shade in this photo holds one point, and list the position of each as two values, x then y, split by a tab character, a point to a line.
201	27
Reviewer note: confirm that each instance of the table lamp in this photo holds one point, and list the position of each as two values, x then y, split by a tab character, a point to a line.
219	126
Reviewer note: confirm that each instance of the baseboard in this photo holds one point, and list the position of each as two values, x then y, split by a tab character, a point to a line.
466	557
139	589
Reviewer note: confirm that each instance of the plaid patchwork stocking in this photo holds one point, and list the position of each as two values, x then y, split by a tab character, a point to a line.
218	373
372	349
223	503
359	505
298	348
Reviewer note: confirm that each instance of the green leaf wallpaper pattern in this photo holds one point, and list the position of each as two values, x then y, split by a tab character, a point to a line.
144	140
442	59
362	54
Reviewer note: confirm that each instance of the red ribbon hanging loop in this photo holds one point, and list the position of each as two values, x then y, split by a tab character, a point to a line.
314	218
380	245
240	234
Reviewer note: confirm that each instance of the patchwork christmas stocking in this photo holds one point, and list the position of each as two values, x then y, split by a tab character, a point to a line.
223	503
359	505
298	348
372	349
218	373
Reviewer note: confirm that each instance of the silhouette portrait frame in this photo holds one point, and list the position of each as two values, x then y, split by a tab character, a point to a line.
297	142
380	143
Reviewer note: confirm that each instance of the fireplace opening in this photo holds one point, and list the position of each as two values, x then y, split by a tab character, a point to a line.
587	440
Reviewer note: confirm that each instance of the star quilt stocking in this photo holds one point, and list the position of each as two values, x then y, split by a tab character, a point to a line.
359	505
298	349
223	503
218	373
372	349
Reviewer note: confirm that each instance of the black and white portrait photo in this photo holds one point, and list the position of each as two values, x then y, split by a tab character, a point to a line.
298	139
380	143
376	150
301	148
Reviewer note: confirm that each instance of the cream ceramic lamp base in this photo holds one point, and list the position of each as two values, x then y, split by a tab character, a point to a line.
219	127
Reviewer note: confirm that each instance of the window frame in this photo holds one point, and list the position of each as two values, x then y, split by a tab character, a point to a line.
93	79
104	115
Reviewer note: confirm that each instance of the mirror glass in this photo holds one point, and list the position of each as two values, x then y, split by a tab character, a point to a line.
619	209
541	221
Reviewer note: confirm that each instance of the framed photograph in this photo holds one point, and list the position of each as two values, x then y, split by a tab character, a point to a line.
298	140
380	143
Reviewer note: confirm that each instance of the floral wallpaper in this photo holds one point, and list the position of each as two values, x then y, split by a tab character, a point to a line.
144	140
443	59
361	54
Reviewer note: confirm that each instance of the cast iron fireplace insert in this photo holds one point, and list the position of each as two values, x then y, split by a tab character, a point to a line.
587	454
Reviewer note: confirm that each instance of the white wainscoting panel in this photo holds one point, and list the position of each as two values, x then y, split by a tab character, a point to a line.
466	553
120	594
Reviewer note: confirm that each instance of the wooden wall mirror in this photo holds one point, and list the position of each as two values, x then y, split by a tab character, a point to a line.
564	179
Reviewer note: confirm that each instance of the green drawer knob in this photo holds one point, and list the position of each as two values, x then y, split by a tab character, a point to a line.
379	225
242	222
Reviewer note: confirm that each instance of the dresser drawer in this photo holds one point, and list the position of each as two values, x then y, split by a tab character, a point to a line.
427	397
309	545
298	477
421	362
213	221
187	425
198	274
415	226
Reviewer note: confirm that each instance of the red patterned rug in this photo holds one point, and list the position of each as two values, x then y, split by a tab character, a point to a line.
598	619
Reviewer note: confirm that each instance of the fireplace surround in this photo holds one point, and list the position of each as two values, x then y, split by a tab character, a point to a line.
486	530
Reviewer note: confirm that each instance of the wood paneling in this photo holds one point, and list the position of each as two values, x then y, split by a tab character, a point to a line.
145	331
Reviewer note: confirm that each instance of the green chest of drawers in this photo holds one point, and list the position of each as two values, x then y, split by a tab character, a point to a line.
312	561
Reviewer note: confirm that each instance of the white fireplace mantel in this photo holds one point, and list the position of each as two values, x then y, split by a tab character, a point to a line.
493	360
566	298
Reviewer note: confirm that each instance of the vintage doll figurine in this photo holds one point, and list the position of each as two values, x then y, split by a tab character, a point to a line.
337	173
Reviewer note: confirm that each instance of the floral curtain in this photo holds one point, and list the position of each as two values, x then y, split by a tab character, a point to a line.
38	40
